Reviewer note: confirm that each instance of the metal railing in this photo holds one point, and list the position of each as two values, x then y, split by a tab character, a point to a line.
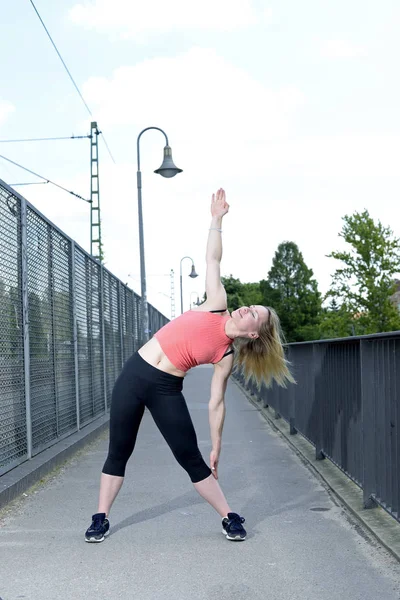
347	404
67	326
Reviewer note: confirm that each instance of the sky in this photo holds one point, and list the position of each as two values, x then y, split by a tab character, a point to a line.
292	107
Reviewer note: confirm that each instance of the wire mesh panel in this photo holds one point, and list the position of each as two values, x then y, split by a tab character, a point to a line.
127	323
41	334
156	320
13	443
63	343
89	334
111	331
95	335
86	411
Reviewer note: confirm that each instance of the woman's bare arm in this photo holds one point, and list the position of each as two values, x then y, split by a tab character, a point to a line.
216	408
214	288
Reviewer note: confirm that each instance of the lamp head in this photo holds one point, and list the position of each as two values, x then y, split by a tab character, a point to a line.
193	273
168	168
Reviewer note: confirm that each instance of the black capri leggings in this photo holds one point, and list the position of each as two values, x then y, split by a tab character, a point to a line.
141	385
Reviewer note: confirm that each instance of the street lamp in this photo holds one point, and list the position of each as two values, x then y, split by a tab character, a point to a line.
192	274
197	302
167	169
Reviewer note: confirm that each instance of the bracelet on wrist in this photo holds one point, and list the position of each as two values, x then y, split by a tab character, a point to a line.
215	229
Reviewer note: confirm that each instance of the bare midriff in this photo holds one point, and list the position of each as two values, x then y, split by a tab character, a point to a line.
152	353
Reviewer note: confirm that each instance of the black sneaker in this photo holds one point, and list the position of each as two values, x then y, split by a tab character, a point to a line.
99	528
232	527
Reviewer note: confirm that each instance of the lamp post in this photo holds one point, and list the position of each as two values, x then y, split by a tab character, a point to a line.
197	302
167	169
192	274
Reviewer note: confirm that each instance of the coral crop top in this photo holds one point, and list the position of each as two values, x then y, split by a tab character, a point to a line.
194	338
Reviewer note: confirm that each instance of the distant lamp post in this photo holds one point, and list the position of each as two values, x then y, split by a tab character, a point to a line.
192	274
197	302
167	169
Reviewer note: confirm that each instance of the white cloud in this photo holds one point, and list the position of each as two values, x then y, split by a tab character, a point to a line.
6	108
267	15
345	155
342	49
199	96
131	18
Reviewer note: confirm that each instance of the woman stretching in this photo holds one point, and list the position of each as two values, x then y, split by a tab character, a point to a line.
153	378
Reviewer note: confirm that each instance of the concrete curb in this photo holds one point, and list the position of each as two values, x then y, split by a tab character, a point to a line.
22	477
378	522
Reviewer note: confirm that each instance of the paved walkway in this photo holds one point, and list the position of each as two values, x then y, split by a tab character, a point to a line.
165	541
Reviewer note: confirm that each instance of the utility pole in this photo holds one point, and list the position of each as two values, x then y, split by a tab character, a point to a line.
96	249
172	294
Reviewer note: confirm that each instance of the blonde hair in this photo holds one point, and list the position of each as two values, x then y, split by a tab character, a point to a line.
263	359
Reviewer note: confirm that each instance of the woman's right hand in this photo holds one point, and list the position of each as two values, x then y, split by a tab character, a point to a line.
219	205
214	459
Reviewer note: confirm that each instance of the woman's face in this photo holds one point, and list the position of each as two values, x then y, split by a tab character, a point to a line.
249	319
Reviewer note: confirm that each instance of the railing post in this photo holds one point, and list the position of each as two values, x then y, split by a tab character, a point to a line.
25	321
276	391
75	333
292	409
368	422
264	397
318	351
292	405
277	414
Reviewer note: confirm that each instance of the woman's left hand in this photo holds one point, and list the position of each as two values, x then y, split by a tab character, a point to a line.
214	458
219	205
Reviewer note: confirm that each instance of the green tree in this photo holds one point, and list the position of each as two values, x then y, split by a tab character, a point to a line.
365	282
241	294
336	321
291	290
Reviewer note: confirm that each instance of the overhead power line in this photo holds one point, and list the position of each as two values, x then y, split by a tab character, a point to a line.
44	178
71	137
61	58
69	73
29	183
109	151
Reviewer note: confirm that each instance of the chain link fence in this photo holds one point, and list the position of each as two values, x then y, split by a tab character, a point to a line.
67	326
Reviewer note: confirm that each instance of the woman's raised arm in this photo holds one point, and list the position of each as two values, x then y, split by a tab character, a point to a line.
214	288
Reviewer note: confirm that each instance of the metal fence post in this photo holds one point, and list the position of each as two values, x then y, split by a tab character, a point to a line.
121	324
103	337
75	333
292	409
292	405
368	422
50	279
25	321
